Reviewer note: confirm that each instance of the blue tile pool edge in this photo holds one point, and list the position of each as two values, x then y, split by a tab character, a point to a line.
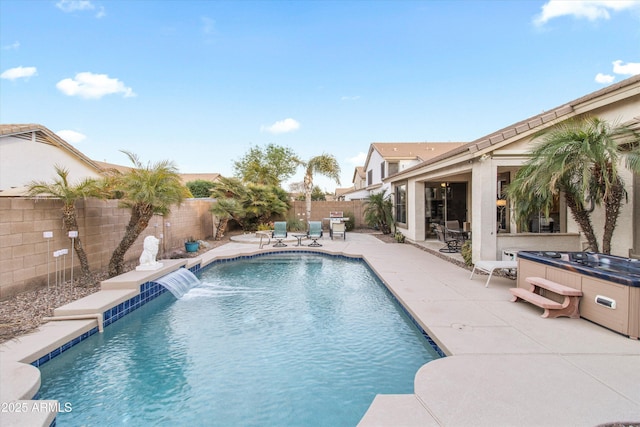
148	291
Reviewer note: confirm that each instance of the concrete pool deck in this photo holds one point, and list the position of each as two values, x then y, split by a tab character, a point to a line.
507	366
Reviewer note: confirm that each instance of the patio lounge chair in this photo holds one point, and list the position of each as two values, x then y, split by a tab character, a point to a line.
490	266
279	233
315	232
338	228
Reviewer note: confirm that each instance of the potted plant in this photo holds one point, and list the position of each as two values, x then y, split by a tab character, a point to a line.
191	245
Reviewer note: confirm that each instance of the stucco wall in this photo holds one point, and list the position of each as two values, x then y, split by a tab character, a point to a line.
25	253
22	162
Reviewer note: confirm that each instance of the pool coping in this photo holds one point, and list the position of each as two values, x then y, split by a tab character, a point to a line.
478	328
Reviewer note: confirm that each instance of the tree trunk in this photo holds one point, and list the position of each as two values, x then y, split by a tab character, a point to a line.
221	228
612	204
70	221
584	221
308	186
140	216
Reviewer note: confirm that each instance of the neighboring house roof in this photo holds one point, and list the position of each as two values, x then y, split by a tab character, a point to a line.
188	177
359	172
410	150
185	177
342	191
538	122
45	136
119	168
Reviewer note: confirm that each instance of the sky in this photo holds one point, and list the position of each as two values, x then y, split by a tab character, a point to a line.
202	82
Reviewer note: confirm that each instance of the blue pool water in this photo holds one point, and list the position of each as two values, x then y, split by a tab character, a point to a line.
270	341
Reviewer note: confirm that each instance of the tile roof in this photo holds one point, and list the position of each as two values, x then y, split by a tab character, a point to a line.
529	124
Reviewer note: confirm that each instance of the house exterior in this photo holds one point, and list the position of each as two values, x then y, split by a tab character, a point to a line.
28	152
388	158
466	184
358	191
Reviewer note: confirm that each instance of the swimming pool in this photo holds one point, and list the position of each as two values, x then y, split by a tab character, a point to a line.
269	341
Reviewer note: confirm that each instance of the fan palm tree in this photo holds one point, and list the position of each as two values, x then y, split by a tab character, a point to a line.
61	189
324	164
147	190
578	158
378	212
229	193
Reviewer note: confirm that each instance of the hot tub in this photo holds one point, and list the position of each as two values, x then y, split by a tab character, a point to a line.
610	285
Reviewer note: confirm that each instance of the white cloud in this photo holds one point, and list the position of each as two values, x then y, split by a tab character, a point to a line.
358	159
69	6
282	126
71	136
74	5
629	69
93	86
604	78
350	98
19	73
589	9
12	46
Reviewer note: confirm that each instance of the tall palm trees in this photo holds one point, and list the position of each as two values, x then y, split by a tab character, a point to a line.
324	164
61	189
578	158
147	190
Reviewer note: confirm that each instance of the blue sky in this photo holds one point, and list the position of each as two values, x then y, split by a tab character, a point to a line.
201	82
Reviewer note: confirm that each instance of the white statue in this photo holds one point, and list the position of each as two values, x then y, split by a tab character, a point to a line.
148	257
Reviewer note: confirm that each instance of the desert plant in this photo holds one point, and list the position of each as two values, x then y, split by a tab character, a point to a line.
465	251
350	223
294	224
378	212
579	159
61	189
147	190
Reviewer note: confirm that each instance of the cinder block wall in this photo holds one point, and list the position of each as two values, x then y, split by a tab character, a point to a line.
26	256
320	210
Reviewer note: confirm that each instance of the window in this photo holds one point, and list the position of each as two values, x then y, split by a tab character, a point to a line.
393	168
369	177
382	170
401	203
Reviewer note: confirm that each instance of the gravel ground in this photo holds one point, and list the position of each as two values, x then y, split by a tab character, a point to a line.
24	312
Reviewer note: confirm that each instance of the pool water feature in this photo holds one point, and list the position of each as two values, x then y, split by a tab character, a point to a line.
269	341
179	282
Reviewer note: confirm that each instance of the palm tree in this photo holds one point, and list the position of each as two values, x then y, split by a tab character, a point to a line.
324	164
69	194
229	193
578	158
147	190
378	212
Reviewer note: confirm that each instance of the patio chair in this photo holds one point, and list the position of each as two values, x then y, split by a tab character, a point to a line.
453	231
315	232
279	233
338	228
453	225
450	242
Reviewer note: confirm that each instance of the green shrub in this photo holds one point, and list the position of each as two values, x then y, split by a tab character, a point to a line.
350	223
265	226
294	224
465	251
